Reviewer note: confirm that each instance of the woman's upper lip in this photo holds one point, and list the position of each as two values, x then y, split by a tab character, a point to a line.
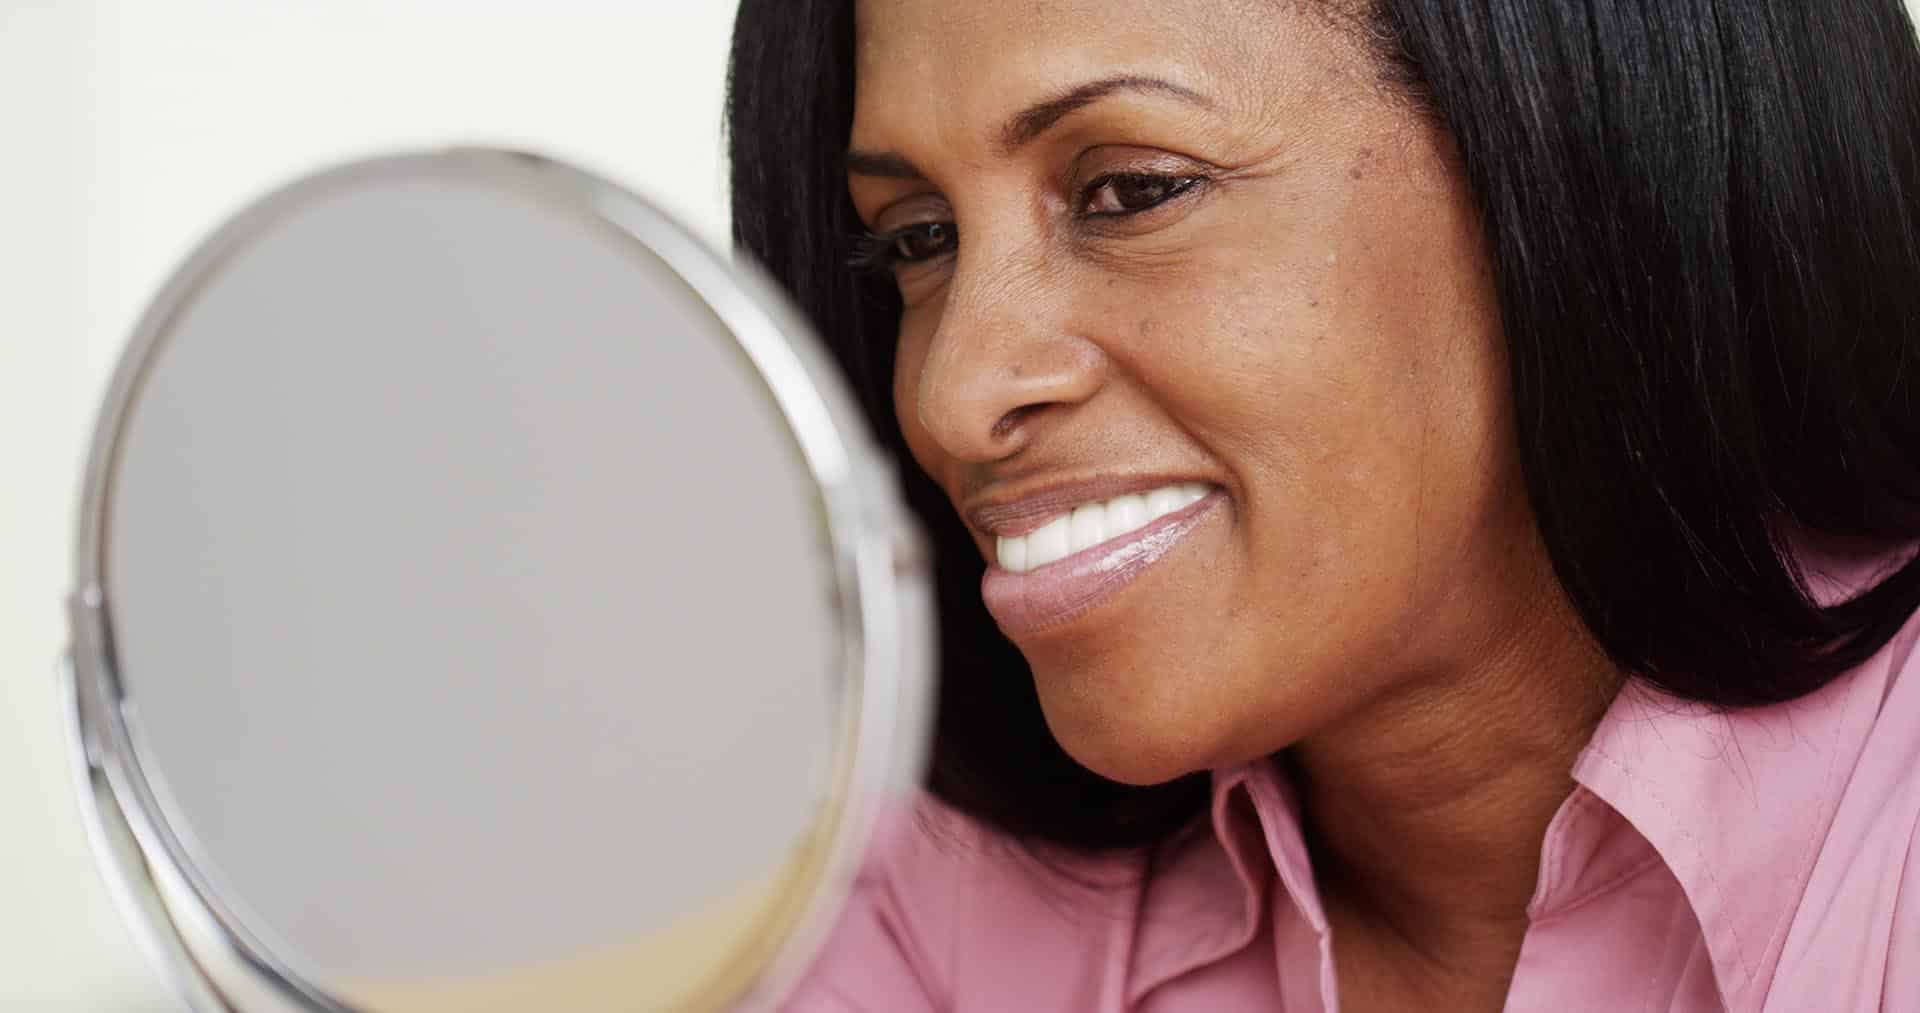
1016	512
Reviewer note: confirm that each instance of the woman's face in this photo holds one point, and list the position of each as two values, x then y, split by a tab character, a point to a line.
1150	251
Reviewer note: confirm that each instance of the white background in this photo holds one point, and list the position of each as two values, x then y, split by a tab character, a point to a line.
127	131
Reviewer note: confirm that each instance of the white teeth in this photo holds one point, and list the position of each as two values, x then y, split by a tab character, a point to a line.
1013	554
1165	501
1088	527
1094	523
1125	513
1049	543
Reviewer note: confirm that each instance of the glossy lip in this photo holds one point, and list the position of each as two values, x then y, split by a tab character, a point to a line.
1013	517
1066	589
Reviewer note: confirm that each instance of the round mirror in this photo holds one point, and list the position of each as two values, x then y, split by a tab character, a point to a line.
489	599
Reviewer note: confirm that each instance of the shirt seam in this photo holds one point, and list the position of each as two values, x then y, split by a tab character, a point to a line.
1580	900
1698	853
1554	857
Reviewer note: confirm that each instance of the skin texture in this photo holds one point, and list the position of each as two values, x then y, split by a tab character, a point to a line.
1312	329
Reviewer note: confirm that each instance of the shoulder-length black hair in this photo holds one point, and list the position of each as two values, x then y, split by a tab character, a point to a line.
1704	217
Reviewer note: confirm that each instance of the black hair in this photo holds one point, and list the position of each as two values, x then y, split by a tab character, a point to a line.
1704	221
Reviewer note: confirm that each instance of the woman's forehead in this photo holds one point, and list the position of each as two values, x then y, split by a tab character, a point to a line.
963	67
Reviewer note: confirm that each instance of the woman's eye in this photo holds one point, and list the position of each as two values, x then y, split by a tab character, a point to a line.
909	244
887	251
923	242
1130	192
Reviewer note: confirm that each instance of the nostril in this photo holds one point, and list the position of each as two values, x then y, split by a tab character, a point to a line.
1011	421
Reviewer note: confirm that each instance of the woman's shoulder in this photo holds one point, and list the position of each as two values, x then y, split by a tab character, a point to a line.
923	849
944	904
1854	942
926	854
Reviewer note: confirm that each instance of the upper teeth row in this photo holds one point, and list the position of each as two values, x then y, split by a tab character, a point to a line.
1093	523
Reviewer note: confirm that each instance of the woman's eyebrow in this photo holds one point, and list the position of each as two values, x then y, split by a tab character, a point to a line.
1037	119
1028	124
884	164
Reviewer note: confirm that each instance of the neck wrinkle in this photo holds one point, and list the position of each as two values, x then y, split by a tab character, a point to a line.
1426	811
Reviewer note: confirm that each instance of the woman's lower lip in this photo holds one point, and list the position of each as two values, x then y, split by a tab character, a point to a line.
1064	590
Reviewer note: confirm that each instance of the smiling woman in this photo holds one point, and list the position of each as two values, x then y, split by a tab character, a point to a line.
1425	491
1143	286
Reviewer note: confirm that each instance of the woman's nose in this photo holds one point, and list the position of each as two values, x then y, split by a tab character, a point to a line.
1004	363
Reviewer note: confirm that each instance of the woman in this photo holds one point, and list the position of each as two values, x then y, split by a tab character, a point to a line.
1424	490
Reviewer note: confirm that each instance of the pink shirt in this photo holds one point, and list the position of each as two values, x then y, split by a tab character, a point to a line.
1764	860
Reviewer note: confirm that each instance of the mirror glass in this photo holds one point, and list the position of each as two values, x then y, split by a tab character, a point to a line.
481	625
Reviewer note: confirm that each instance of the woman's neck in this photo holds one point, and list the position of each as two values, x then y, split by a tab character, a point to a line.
1425	812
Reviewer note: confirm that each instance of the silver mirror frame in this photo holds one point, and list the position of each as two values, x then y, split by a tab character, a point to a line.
882	577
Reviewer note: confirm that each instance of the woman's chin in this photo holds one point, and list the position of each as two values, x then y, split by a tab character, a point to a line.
1130	766
1126	744
1132	725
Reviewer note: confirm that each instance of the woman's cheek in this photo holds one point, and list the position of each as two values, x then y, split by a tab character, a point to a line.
910	356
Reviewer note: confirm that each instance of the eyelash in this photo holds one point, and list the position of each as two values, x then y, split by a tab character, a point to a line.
879	253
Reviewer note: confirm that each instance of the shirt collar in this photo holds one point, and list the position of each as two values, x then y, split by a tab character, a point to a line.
1210	887
1736	804
1206	896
